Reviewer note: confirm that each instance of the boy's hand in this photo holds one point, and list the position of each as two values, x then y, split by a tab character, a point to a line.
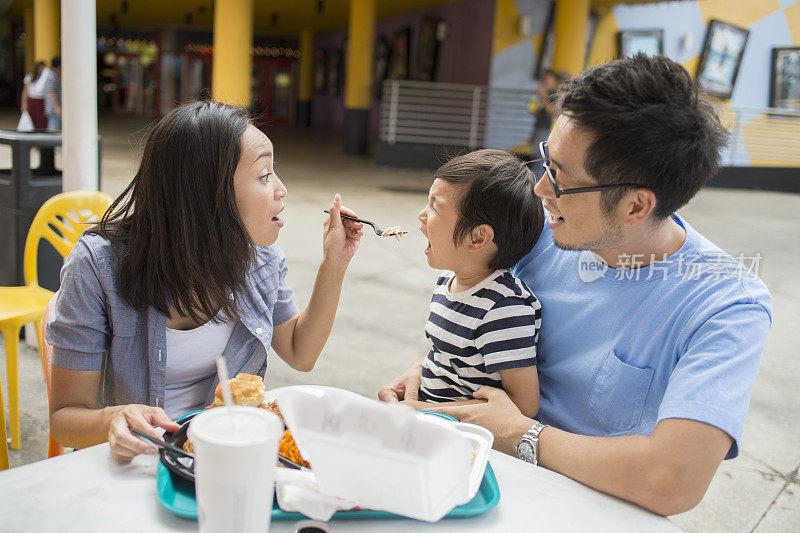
416	404
341	237
405	387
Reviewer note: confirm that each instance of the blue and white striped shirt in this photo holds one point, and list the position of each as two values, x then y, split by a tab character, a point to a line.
476	333
54	85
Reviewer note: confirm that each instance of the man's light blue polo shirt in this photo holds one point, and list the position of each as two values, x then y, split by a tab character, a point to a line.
621	350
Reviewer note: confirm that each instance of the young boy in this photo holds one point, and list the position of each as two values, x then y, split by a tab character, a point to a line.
482	217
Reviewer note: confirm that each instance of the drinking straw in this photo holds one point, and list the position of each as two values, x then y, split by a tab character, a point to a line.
222	372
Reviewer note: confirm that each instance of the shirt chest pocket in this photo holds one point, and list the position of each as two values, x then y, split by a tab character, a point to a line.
619	393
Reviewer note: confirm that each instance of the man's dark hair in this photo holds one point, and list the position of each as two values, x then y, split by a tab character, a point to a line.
182	242
55	62
649	126
496	189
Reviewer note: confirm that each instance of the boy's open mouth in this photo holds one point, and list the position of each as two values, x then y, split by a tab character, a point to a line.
428	248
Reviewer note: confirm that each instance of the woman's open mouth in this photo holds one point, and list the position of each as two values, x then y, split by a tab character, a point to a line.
277	220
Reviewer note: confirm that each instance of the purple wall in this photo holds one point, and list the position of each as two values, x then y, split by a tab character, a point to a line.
464	56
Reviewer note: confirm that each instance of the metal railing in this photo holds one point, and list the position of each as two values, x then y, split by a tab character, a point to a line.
475	116
453	114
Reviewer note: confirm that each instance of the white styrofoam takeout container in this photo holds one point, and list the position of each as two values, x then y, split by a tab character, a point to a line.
383	456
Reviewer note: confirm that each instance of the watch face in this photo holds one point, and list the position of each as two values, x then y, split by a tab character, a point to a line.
526	452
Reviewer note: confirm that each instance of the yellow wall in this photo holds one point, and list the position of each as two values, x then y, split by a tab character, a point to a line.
571	25
505	32
604	46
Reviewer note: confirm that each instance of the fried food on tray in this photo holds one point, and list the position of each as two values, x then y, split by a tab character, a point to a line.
272	407
246	389
287	448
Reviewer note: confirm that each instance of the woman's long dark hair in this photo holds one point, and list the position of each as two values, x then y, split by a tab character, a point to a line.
38	68
182	241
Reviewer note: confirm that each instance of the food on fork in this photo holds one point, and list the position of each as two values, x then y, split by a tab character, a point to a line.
394	231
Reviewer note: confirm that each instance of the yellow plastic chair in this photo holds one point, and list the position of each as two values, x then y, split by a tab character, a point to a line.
60	221
3	448
53	447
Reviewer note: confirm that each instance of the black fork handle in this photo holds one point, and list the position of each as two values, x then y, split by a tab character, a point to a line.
348	217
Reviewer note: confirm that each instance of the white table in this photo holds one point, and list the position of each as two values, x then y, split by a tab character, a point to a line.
88	491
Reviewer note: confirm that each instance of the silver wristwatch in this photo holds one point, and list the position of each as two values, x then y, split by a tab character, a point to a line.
528	447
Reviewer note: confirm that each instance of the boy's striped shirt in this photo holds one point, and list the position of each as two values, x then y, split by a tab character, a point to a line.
476	333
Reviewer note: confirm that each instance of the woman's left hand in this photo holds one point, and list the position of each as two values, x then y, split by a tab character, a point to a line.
341	237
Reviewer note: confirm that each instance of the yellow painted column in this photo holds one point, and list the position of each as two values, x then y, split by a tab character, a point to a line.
571	25
27	24
605	45
358	78
305	87
231	64
46	30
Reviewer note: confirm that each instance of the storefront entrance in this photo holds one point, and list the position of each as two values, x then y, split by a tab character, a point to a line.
134	87
273	90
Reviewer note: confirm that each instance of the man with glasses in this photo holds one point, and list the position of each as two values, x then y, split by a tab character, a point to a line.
651	335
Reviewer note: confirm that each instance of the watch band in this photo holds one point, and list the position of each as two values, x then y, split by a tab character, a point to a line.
528	447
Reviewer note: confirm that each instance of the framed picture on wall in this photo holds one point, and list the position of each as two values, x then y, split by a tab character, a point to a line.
427	50
650	42
722	55
785	79
401	55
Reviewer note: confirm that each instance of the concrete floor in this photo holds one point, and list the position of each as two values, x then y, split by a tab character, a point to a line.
379	328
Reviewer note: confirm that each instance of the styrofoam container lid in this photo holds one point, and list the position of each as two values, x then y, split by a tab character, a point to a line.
385	456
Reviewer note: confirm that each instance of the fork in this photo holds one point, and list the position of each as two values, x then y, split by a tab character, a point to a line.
378	230
162	444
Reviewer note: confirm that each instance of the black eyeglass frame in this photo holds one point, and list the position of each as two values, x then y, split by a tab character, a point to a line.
573	190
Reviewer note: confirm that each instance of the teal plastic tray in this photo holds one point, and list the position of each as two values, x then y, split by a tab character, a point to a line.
177	496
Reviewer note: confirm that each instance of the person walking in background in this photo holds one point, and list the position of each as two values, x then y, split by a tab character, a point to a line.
544	109
52	103
33	95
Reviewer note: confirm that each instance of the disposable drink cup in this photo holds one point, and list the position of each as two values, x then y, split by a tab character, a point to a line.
236	449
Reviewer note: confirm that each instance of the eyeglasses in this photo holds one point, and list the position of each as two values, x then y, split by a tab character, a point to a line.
574	190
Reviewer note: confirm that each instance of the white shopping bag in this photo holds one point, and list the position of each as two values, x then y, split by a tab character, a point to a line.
25	122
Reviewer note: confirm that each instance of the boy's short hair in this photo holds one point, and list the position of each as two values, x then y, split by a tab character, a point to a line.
497	189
